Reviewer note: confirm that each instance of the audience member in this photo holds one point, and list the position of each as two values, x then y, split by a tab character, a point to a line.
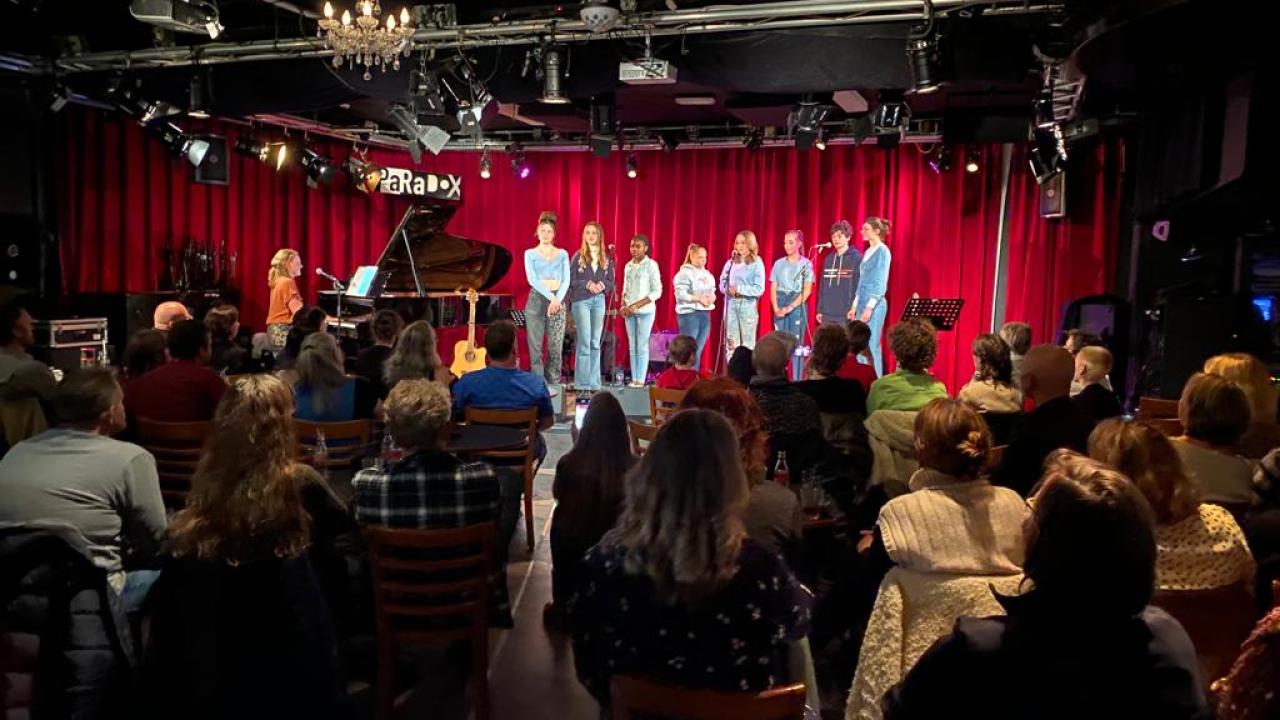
183	389
1198	545
21	376
740	367
324	392
914	344
681	370
167	313
429	487
306	321
371	361
227	355
786	410
676	592
842	403
991	389
146	351
1094	400
502	384
1253	376
1075	341
772	517
238	611
1248	692
416	356
1054	423
857	365
76	475
1017	335
1214	414
589	491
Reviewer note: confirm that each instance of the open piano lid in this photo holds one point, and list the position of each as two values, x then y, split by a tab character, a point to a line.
444	262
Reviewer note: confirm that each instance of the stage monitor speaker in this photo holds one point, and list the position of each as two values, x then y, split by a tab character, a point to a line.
216	167
1053	196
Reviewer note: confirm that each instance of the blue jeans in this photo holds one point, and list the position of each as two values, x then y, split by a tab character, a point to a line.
742	321
137	583
638	328
588	319
697	325
876	323
795	323
538	324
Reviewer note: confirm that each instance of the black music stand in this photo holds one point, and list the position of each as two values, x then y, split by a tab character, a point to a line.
942	312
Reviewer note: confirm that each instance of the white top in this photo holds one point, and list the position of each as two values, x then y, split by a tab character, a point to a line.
692	281
640	280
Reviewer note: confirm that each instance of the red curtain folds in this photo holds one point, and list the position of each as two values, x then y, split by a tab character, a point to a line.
122	198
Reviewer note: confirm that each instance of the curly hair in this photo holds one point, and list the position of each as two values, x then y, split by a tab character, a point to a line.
417	412
951	438
735	403
830	348
991	358
1149	459
914	343
246	494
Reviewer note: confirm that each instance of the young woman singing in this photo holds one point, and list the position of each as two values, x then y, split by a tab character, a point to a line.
791	282
546	267
742	282
641	288
591	280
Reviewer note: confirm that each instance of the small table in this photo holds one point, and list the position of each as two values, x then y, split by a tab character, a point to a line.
475	438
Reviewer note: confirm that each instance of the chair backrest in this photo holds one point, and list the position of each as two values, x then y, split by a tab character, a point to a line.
526	418
431	584
641	432
1153	408
177	448
347	442
1218	620
634	697
663	403
1171	427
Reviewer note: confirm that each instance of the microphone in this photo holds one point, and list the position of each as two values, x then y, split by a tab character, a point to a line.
822	246
320	271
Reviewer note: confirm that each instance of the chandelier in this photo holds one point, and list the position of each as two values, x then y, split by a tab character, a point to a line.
366	39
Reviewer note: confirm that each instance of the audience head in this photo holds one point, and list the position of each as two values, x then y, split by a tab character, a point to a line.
167	313
1018	336
310	319
952	439
680	351
146	351
415	354
830	348
417	414
1213	410
1046	373
320	369
1079	339
1149	459
682	519
500	341
769	358
246	495
1252	375
189	340
859	336
223	322
598	462
741	368
386	326
1090	542
991	361
734	402
89	398
1093	363
16	326
914	343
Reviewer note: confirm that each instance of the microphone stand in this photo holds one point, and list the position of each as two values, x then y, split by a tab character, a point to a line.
338	288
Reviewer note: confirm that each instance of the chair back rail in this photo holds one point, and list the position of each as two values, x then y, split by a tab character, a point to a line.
525	418
634	697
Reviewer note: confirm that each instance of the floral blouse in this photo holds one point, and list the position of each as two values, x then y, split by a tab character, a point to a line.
734	640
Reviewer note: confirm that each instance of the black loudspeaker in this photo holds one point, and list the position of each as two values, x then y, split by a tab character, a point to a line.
1053	196
19	251
215	169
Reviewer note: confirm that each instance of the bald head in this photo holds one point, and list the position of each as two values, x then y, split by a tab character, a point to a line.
770	357
169	312
1046	373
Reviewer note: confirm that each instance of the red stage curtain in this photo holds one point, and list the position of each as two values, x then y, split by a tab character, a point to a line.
122	198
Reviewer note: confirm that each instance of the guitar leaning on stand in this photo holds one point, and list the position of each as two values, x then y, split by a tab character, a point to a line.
466	356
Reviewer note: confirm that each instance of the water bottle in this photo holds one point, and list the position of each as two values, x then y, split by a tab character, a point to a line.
781	473
320	455
618	376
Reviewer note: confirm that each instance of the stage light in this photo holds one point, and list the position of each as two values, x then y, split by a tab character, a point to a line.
808	122
59	96
1044	110
364	174
486	165
552	94
972	161
519	162
940	159
180	143
922	54
821	142
319	169
1048	153
669	141
199	94
249	146
633	166
278	155
420	136
890	115
753	139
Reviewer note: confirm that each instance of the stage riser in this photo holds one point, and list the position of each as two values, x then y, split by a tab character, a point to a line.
634	401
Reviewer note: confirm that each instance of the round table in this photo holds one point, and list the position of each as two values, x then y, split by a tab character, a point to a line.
476	438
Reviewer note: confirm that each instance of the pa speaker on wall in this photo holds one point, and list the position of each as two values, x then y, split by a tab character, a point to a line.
215	169
1053	196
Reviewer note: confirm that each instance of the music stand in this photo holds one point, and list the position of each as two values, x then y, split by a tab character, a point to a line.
942	312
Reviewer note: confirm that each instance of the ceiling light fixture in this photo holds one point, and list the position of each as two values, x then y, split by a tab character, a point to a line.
821	142
599	16
365	175
807	119
519	161
1048	153
753	139
940	159
891	115
319	168
486	164
366	39
419	136
922	54
695	100
972	161
552	92
180	143
633	166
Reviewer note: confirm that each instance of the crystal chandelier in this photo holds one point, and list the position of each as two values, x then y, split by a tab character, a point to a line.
366	39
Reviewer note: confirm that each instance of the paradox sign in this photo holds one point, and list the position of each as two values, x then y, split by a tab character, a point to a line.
399	181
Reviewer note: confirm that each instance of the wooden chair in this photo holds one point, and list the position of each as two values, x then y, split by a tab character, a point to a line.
431	586
641	432
347	442
1218	620
177	448
663	403
1153	408
1171	427
634	697
525	417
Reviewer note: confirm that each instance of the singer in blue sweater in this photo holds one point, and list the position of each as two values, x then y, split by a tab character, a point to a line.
742	282
546	267
873	283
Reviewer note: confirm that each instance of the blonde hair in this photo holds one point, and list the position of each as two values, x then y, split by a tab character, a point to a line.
416	412
416	355
280	266
951	438
246	493
319	368
880	225
1252	375
1096	361
799	236
753	246
694	249
586	256
1143	453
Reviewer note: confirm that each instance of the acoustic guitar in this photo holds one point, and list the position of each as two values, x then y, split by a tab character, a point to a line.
466	356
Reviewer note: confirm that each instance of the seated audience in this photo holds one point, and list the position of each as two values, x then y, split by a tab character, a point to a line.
772	517
416	356
167	313
430	487
841	402
588	490
677	592
21	376
238	611
502	384
740	367
1248	692
385	328
1017	335
681	371
323	391
1198	545
1077	340
1214	414
76	475
227	355
1094	400
306	321
914	344
857	365
949	541
183	389
146	351
1083	641
1054	423
1252	375
786	410
991	389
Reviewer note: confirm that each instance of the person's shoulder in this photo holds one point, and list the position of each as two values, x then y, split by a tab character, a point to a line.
757	560
1168	638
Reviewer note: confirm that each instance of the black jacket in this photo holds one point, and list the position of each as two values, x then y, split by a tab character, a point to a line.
1097	403
1056	424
